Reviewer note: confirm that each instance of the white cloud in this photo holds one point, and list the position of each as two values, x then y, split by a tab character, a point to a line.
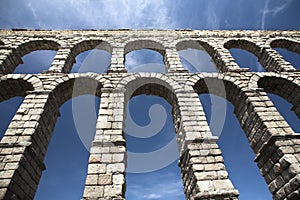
77	14
138	14
213	20
166	187
274	10
152	196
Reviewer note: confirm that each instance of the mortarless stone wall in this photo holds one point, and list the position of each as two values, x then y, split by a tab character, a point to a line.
23	148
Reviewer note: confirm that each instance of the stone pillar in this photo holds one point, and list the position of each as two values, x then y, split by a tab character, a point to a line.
204	173
23	147
117	60
9	60
279	163
202	166
62	62
172	61
223	59
274	142
106	170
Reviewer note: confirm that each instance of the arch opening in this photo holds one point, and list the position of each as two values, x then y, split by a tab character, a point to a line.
66	165
290	56
35	62
77	101
12	93
195	56
152	170
246	59
286	110
8	109
195	60
95	60
285	89
290	50
246	54
61	93
15	57
237	154
253	126
144	60
75	87
145	56
89	56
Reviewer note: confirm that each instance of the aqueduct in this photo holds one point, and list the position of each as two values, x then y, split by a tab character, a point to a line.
277	147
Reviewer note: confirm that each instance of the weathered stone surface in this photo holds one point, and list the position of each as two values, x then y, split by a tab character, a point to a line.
105	179
96	168
93	192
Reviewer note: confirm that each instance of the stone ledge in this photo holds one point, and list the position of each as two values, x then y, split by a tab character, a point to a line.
267	146
228	194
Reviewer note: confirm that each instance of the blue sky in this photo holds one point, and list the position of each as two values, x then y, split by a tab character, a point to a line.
58	181
175	14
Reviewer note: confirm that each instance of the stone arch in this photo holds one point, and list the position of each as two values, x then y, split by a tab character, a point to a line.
158	85
36	133
150	44
195	44
15	86
189	132
82	46
288	44
147	81
246	106
12	86
191	129
65	88
146	44
15	57
33	45
250	108
244	44
282	86
211	85
199	45
50	102
155	84
135	81
279	84
250	46
62	89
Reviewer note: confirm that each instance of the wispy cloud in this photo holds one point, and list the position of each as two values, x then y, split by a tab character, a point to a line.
138	14
77	14
152	196
213	20
166	187
277	8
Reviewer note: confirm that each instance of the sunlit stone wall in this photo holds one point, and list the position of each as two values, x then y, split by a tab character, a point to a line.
24	145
